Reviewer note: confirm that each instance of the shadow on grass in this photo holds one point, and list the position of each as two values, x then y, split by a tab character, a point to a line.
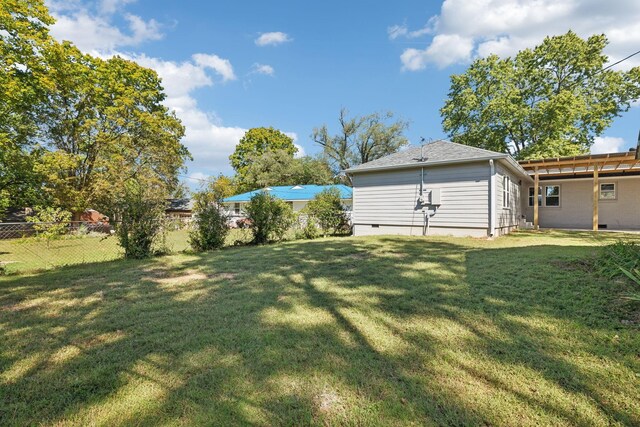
359	331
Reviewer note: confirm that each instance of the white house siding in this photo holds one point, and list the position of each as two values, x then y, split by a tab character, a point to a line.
385	202
576	205
508	219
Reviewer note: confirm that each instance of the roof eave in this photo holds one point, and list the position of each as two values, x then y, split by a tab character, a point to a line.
518	167
427	164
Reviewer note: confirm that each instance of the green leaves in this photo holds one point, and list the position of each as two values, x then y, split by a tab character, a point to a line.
104	124
269	217
256	142
75	125
278	167
549	101
361	139
326	209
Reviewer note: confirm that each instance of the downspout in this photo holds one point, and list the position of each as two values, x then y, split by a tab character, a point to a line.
492	197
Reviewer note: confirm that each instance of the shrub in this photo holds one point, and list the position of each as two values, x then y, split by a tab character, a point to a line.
269	217
210	227
306	228
310	231
327	211
50	223
140	212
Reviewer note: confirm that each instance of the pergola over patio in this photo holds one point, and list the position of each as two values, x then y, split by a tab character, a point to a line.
590	165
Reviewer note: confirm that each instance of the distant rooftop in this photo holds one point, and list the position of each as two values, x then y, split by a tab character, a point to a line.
293	192
179	205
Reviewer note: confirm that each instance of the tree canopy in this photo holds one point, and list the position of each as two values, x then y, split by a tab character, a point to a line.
73	127
23	38
256	142
214	191
361	139
278	167
104	124
549	101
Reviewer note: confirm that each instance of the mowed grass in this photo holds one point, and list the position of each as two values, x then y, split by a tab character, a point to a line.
21	255
343	331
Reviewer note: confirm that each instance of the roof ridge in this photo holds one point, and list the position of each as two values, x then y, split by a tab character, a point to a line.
439	151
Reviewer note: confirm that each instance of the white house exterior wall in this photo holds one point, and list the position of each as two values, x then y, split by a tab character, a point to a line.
385	202
508	219
297	205
575	210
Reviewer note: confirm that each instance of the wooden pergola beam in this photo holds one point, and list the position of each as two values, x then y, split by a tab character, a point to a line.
577	162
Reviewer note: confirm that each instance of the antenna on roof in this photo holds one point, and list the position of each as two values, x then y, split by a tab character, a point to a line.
422	159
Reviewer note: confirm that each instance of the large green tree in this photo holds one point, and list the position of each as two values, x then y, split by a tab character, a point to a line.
23	86
256	142
215	190
361	139
549	101
104	124
74	127
278	167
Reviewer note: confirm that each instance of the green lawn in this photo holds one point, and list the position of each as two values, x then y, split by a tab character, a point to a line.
20	255
344	331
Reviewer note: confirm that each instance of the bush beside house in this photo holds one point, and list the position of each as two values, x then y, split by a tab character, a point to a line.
326	211
269	217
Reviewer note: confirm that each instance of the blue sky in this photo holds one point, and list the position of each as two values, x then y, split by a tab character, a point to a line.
230	66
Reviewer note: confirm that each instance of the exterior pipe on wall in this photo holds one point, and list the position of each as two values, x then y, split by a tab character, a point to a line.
492	198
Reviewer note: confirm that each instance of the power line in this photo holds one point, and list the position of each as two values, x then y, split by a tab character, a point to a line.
622	60
194	179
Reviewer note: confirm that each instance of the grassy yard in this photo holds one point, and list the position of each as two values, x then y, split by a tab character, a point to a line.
36	254
346	331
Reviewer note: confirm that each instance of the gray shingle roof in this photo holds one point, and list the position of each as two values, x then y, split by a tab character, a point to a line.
179	205
434	152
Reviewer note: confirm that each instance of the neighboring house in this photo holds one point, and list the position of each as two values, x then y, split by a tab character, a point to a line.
439	188
93	216
181	209
594	192
297	196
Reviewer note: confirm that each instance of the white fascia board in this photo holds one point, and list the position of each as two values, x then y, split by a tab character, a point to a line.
425	164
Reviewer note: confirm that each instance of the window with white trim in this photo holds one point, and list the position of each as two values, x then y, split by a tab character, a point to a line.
506	192
236	208
532	196
552	195
607	191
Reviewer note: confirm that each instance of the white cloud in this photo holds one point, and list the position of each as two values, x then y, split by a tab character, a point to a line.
142	30
219	65
263	69
207	138
112	6
272	39
607	144
300	152
396	31
443	51
505	26
294	137
95	32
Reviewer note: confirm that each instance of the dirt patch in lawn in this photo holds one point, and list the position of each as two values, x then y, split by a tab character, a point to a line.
165	277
